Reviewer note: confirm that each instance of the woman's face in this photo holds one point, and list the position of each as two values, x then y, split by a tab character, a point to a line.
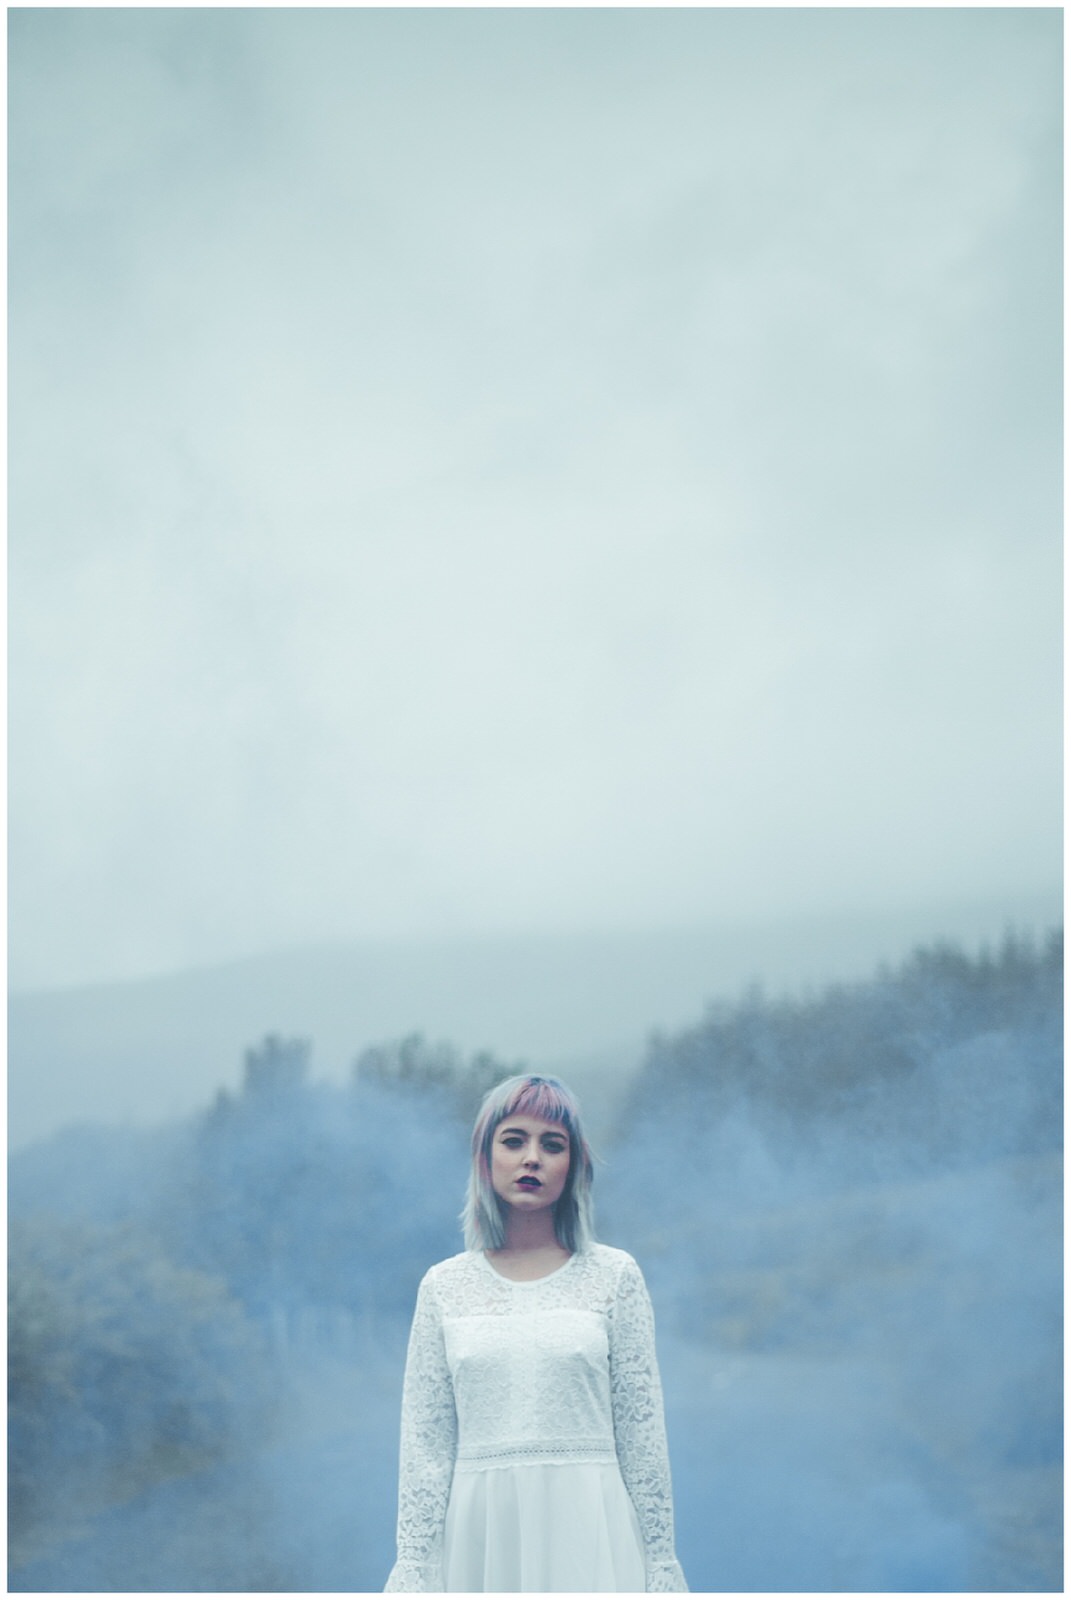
529	1162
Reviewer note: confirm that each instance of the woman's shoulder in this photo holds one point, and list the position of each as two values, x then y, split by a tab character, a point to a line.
609	1254
455	1269
608	1259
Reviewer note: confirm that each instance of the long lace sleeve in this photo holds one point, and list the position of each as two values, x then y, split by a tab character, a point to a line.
639	1427
428	1448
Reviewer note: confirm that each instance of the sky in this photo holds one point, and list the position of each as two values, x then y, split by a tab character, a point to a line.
504	470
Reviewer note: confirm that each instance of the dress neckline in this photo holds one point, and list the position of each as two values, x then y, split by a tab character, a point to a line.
527	1283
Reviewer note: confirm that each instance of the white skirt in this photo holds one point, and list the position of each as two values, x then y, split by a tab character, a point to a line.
543	1529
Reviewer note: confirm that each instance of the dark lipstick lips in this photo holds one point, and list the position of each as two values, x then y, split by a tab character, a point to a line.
532	1183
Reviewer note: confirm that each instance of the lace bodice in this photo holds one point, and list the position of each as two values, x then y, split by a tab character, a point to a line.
500	1373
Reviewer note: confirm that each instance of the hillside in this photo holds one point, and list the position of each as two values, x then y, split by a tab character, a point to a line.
584	1005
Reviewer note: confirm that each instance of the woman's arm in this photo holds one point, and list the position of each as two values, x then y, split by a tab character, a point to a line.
639	1427
428	1449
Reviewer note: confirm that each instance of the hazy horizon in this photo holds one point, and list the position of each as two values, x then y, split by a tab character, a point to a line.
581	1005
972	922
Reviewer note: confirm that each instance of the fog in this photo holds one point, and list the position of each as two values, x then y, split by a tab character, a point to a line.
502	471
847	1207
522	523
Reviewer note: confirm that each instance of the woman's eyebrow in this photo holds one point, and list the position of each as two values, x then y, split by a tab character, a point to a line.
551	1133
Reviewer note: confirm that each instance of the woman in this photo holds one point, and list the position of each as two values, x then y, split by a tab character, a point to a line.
533	1452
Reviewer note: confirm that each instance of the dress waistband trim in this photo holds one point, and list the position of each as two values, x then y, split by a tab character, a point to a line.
554	1452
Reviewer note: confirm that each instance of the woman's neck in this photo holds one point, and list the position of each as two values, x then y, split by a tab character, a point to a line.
531	1250
531	1231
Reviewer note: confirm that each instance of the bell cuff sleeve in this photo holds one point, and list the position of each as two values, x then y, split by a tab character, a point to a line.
428	1451
639	1428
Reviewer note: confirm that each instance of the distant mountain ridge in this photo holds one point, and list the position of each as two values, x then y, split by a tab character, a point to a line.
582	1004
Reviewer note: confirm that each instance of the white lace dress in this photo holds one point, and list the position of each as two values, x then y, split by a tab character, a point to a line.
533	1452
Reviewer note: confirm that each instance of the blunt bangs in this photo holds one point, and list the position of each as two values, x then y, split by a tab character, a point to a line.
483	1219
545	1098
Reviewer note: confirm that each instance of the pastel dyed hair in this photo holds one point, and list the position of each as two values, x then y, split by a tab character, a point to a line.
483	1218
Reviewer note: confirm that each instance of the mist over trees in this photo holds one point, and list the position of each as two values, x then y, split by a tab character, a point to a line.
123	1367
847	1206
854	1200
949	1059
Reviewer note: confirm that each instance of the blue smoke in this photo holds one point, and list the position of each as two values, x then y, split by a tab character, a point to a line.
848	1208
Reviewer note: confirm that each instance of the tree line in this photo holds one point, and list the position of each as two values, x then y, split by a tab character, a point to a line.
946	1057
